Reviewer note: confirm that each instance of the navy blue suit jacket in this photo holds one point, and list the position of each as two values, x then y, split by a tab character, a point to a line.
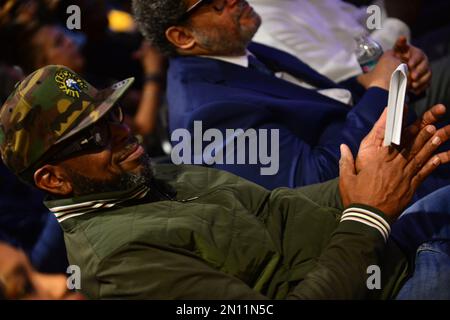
312	126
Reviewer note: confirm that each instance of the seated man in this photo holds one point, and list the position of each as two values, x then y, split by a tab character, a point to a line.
182	232
218	83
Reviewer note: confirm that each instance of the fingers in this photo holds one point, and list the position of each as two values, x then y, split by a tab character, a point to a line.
419	70
431	116
434	114
417	59
402	50
347	162
419	142
417	87
422	155
420	75
423	148
429	167
444	133
401	45
444	157
425	171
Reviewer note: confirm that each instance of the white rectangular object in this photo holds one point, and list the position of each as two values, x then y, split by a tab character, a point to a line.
396	103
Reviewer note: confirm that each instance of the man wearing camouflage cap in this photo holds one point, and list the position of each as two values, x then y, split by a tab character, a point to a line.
51	106
192	232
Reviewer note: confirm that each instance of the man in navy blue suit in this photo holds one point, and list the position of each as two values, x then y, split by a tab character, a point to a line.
293	119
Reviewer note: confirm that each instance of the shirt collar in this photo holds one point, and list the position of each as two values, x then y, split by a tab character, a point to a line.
238	60
64	209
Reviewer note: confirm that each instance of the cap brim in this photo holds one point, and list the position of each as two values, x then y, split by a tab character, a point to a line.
96	111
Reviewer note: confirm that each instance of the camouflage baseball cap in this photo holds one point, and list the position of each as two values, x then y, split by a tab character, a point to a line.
48	107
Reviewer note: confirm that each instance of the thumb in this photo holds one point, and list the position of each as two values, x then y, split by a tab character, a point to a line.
347	162
401	45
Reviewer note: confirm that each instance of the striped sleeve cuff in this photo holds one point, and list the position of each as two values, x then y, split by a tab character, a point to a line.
367	217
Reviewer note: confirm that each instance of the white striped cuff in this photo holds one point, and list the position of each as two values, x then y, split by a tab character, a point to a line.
368	218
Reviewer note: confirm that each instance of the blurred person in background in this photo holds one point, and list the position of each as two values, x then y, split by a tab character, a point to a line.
33	48
39	40
24	222
19	280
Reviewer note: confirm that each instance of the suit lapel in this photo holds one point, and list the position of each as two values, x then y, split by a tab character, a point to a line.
282	61
253	80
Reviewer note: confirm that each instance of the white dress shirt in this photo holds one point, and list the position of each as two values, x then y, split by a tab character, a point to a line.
321	32
341	95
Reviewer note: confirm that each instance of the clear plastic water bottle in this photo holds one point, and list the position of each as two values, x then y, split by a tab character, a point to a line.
368	52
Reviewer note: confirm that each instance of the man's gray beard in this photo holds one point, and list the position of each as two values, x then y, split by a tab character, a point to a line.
83	185
216	40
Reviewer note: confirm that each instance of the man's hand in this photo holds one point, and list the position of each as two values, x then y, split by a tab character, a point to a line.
18	279
367	149
151	59
418	64
386	178
380	76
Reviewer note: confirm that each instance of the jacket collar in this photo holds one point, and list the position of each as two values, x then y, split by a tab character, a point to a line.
215	71
72	207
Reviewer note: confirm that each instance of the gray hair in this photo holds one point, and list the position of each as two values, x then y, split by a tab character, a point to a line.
154	17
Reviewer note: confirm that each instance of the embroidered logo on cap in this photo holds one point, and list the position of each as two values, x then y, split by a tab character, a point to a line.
69	83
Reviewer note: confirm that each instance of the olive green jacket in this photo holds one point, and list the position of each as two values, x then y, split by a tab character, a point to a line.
222	237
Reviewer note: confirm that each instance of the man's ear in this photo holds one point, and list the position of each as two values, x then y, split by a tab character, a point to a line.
53	179
180	37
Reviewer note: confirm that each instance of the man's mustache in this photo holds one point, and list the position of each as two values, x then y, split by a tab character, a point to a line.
129	144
